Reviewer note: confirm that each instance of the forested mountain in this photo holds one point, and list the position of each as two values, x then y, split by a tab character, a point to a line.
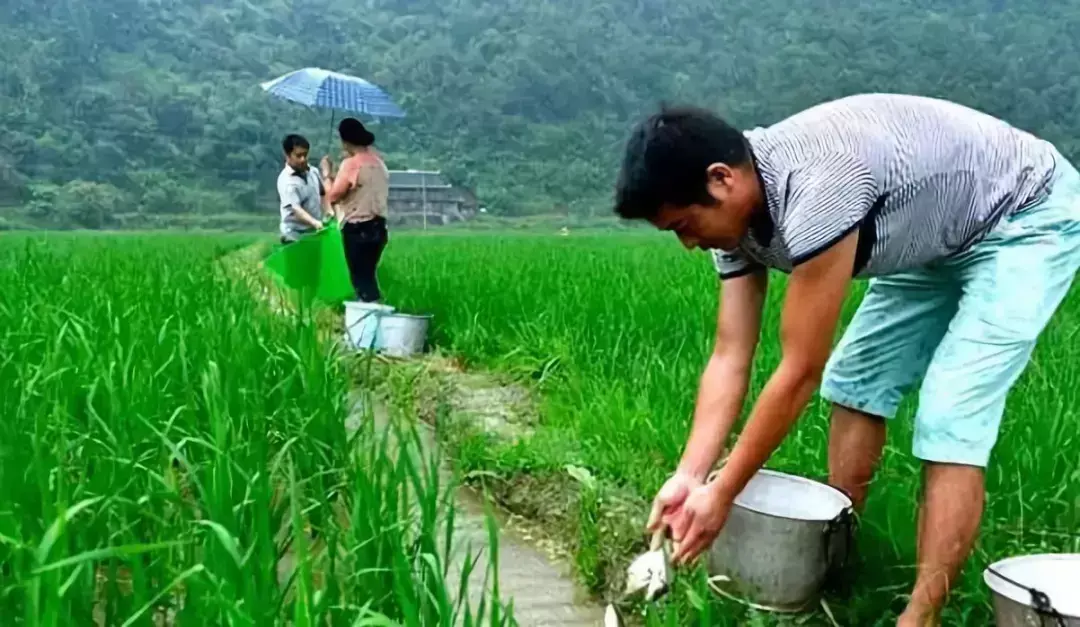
152	107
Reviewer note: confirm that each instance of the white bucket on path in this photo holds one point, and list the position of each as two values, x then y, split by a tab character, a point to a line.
402	335
362	323
784	536
1055	581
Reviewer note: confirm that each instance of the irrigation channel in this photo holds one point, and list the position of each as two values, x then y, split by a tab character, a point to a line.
541	589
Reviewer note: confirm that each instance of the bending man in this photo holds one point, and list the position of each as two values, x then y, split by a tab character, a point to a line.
970	230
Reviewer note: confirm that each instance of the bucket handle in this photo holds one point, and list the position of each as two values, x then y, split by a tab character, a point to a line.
1040	601
841	528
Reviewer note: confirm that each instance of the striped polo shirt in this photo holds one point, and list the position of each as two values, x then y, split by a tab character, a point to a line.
921	178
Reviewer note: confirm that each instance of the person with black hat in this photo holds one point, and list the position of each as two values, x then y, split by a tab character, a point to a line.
358	193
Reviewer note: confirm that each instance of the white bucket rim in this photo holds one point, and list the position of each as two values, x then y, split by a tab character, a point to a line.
1022	596
355	304
408	316
844	498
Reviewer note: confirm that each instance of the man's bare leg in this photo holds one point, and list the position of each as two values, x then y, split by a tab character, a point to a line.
855	443
953	499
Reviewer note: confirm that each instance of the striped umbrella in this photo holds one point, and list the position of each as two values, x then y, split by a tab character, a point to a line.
316	87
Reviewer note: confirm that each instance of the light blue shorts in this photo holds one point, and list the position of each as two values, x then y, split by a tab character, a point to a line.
966	327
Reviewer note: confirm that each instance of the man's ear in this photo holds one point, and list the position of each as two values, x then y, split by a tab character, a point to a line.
718	171
719	177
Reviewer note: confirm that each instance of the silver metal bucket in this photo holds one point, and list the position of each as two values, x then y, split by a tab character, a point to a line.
1036	590
401	335
362	323
784	537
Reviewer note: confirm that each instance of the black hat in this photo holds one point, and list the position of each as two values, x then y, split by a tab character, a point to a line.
352	131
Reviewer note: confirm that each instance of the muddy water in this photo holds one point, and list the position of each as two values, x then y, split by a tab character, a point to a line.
542	591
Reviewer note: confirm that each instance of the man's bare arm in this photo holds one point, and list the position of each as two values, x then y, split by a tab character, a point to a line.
305	217
723	384
815	297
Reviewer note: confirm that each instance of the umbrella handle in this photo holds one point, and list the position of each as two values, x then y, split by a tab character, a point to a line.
330	140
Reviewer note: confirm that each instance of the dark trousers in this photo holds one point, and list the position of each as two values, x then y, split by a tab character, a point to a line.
364	244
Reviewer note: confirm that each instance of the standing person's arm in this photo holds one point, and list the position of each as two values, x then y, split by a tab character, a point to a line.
344	181
306	217
721	392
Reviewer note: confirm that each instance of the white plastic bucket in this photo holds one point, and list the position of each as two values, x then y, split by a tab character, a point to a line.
783	537
401	335
362	323
1057	576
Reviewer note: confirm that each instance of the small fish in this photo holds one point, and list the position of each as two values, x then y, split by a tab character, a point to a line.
649	571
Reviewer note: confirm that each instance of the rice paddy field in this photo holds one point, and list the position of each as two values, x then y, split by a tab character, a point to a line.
172	452
166	438
614	328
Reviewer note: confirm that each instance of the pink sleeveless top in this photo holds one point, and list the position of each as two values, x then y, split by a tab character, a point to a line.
361	188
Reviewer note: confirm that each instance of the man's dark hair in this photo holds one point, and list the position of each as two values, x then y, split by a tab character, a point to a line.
666	157
352	131
292	141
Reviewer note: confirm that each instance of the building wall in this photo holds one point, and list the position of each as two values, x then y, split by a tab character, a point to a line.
444	205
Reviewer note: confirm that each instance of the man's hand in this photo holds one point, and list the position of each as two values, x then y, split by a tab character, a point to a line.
704	513
667	506
326	167
305	217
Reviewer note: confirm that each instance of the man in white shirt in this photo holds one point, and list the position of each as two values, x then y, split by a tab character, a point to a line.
301	191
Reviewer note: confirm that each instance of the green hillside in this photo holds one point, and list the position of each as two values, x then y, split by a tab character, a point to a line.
114	111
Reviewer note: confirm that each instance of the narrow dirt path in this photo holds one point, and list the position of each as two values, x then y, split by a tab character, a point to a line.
543	593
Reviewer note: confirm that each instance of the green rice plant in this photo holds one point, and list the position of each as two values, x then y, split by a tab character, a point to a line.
396	484
613	329
586	558
172	451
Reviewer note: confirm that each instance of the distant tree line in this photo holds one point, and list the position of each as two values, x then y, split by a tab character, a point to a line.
119	110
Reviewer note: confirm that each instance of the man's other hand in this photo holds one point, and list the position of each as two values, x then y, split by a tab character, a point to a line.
704	513
667	506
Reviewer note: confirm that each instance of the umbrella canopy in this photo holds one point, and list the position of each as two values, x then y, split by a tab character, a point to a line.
316	87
